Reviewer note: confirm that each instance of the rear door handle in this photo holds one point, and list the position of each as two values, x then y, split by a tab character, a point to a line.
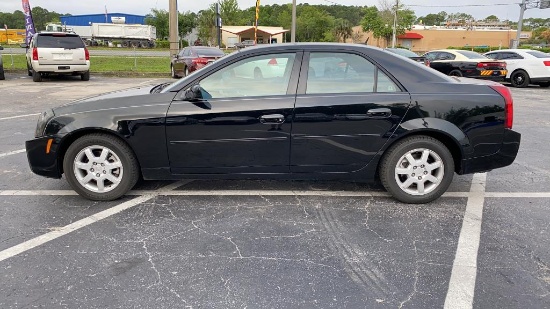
272	119
379	113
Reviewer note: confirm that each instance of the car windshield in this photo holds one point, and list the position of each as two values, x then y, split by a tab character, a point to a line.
402	52
209	52
538	54
59	41
470	54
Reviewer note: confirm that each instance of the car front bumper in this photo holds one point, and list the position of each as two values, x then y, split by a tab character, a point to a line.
504	157
43	163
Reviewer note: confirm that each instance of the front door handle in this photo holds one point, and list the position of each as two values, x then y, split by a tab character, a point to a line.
379	113
272	119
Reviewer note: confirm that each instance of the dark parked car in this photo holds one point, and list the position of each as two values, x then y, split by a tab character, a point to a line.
409	54
2	76
464	63
193	58
335	112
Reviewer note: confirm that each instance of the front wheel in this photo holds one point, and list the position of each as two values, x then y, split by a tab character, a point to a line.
100	167
417	170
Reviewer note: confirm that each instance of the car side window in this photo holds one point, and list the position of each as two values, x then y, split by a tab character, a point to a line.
446	56
182	52
431	56
496	56
266	75
511	56
345	73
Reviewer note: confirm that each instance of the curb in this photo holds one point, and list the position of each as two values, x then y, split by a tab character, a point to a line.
109	74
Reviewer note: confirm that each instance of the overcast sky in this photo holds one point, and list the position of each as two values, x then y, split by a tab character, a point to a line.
142	7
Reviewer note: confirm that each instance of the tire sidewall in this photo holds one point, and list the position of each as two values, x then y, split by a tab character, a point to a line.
457	73
525	81
129	165
389	162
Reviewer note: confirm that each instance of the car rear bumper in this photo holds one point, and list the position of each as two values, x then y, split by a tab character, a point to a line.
504	157
60	68
40	162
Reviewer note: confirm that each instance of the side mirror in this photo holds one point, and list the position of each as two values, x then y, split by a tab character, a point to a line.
24	45
193	94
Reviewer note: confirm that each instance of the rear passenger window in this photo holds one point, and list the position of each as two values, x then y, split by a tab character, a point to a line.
59	41
345	73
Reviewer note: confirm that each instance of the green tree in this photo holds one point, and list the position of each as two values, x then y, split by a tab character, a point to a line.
342	30
492	18
433	19
206	23
313	25
380	23
230	12
160	20
187	21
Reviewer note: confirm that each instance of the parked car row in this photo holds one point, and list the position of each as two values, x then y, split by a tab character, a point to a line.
520	67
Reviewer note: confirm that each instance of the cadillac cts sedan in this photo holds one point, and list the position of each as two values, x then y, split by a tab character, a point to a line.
336	111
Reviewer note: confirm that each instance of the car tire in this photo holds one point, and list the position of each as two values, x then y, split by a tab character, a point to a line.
520	79
29	70
36	76
544	85
86	76
2	75
173	71
93	153
456	73
186	71
424	179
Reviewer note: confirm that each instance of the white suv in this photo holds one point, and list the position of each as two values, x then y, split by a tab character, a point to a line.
57	53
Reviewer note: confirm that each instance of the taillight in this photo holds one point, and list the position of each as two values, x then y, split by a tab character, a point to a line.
509	105
86	54
547	63
35	53
483	65
200	60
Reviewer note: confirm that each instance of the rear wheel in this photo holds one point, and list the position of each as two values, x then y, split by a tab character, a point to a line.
418	169
100	167
36	77
85	76
520	79
456	73
29	70
173	71
2	76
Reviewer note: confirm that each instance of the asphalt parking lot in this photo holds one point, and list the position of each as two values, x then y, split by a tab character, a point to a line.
270	244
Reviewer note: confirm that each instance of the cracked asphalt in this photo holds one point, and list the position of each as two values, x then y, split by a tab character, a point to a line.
264	244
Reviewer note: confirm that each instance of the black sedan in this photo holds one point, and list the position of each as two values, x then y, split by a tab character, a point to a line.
464	63
300	111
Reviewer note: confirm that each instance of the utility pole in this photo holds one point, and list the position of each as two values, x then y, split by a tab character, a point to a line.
293	28
173	27
218	25
394	38
523	6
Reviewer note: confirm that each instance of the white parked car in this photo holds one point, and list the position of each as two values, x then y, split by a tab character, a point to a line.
525	66
57	53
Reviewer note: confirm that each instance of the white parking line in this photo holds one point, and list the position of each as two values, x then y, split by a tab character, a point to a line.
42	239
5	154
460	294
20	116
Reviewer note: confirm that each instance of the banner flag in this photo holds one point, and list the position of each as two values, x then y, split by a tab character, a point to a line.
29	24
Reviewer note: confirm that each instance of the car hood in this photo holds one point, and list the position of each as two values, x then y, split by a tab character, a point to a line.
132	97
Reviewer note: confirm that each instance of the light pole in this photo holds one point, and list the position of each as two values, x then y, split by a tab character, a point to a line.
293	27
173	27
523	6
394	39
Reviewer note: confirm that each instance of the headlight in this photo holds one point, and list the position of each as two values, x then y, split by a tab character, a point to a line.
43	120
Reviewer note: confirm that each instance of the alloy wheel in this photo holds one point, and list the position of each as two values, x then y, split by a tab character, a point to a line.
419	171
98	169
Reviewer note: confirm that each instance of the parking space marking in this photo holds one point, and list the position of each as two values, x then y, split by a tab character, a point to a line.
42	239
20	116
5	154
460	294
